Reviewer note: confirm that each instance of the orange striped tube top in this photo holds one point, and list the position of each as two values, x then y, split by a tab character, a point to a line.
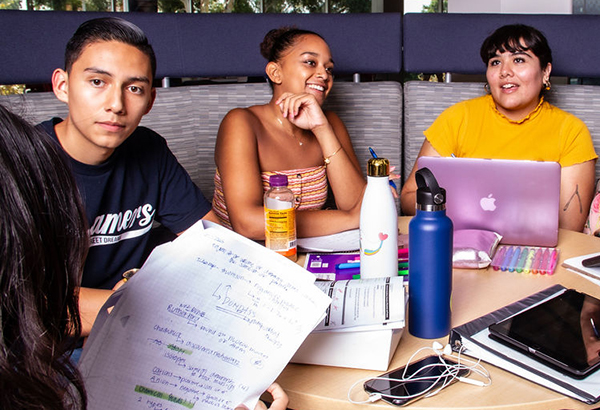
309	186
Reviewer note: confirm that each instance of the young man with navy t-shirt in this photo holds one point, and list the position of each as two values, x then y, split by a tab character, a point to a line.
127	175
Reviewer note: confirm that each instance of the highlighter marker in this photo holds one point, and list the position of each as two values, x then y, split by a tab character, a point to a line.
507	258
347	265
529	262
515	259
553	260
497	262
522	259
537	261
548	255
347	274
544	262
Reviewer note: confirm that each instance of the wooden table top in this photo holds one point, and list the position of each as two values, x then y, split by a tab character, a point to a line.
475	293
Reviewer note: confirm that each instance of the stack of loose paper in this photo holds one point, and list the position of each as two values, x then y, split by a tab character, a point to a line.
209	322
362	327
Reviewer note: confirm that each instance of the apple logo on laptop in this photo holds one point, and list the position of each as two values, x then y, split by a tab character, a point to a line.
488	203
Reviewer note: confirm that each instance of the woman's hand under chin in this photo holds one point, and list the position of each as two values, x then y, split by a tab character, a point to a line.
280	400
302	110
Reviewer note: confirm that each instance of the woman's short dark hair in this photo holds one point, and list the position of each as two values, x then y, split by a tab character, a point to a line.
108	29
279	40
43	246
517	37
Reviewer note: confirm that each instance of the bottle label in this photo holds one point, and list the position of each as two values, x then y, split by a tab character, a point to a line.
280	232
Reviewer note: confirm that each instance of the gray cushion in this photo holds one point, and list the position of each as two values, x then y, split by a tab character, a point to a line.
189	118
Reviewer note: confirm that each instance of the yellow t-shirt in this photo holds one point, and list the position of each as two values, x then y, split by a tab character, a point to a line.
476	129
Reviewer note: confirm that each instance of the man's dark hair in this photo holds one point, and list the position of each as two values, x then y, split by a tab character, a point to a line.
107	29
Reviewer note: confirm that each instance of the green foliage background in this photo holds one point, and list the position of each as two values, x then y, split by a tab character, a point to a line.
204	6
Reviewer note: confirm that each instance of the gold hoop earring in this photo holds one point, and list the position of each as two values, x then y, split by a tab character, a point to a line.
547	85
486	87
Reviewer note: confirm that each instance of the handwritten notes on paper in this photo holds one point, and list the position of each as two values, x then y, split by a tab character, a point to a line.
209	322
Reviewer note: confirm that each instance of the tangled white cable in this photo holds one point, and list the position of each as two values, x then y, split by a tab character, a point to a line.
447	373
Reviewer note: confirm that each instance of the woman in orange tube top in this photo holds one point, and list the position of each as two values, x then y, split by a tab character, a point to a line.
290	135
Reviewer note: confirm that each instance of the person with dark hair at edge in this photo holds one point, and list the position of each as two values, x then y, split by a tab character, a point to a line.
514	121
290	135
44	243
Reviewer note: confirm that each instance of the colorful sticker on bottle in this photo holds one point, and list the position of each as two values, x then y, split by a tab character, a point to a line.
280	232
382	237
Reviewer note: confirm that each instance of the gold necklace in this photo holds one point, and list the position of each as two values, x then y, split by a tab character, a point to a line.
290	132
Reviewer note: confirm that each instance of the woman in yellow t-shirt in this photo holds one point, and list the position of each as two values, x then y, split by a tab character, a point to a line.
514	122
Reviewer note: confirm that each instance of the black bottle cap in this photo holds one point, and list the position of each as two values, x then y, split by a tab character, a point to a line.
430	197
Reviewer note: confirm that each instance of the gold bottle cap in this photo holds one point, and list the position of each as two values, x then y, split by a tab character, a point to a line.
378	167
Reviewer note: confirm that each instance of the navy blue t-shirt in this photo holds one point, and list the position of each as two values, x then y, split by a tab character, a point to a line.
141	182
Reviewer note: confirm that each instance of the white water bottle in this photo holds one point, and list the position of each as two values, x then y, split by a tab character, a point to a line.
378	224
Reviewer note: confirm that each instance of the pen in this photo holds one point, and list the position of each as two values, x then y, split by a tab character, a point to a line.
594	328
374	155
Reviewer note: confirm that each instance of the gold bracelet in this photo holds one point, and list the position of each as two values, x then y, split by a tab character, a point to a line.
327	160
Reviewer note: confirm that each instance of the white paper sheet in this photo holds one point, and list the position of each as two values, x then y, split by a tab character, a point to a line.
339	242
365	304
575	265
209	322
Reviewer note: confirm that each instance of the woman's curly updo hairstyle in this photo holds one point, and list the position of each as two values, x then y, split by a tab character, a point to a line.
279	40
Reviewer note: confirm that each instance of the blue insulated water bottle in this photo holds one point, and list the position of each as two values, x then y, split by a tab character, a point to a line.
429	261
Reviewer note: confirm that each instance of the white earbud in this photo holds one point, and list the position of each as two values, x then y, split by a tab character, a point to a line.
448	350
471	381
439	349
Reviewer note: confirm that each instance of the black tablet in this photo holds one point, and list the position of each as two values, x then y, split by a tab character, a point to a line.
562	332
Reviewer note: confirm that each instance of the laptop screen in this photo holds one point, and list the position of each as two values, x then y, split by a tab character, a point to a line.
517	199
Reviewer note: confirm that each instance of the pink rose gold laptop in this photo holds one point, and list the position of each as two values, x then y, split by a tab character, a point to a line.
517	199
